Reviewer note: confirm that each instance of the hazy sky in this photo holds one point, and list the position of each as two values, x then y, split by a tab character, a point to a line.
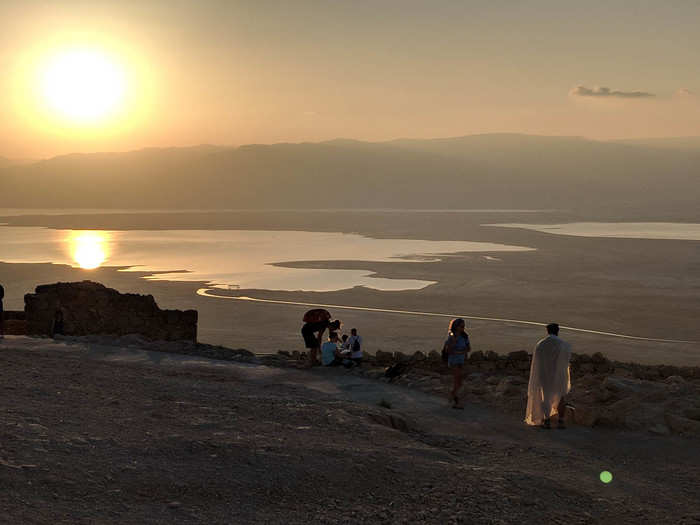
235	72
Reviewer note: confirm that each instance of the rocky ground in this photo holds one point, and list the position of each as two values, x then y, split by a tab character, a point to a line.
103	434
657	399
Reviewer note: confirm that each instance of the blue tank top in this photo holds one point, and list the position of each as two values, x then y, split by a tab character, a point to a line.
461	344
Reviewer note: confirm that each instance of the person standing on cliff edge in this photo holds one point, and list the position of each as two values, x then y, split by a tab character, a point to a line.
550	380
456	347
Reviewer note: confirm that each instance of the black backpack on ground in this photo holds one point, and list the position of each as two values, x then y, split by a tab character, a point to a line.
396	370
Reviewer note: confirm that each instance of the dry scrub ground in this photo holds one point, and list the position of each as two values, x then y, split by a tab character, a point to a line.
103	436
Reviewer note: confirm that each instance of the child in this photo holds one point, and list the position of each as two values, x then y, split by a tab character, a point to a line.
330	353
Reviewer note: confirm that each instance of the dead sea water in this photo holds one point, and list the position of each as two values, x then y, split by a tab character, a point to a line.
234	258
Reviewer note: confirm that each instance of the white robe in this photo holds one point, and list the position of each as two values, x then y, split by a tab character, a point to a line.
550	379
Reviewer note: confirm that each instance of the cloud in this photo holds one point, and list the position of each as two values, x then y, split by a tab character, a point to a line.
604	92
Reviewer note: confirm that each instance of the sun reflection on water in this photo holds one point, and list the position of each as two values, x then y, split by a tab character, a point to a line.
89	249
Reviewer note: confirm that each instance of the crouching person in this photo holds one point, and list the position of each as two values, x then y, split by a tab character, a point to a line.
330	351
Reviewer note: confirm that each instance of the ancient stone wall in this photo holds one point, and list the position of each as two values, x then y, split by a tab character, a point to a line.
91	308
14	322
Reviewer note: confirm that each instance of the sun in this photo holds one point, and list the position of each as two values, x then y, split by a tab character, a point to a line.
89	248
83	85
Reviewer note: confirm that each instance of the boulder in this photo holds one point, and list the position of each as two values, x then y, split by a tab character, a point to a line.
599	358
659	429
418	356
400	357
585	368
602	395
510	386
628	386
434	356
476	356
383	358
520	355
486	366
668	371
522	365
586	416
390	420
692	413
634	414
682	425
375	373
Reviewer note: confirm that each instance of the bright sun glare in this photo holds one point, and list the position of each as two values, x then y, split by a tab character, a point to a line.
83	84
89	248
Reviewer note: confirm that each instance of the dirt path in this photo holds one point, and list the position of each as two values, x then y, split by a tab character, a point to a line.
114	435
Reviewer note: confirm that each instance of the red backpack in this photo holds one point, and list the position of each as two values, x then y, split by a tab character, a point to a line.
317	315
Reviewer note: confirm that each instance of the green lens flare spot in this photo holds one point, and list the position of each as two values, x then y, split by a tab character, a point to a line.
605	476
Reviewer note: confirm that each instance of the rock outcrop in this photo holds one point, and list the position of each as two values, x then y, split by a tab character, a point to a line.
658	399
85	308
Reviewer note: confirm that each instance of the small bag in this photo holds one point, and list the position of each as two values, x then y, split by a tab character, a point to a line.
445	353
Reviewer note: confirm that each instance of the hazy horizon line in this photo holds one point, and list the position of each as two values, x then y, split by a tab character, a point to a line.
25	161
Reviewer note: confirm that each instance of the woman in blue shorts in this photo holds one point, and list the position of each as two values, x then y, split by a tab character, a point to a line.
457	346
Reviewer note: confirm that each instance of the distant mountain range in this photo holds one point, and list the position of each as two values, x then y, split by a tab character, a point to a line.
477	171
681	143
5	162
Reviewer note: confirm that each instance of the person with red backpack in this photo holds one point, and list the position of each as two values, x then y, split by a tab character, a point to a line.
316	322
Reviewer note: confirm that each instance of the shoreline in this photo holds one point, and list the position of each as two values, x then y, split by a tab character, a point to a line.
644	288
239	324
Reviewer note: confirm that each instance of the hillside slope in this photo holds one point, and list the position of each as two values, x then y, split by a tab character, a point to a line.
114	435
480	171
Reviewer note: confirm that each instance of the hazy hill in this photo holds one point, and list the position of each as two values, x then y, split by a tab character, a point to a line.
479	171
5	162
678	143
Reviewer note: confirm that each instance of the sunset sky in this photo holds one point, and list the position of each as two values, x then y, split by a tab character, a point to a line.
175	73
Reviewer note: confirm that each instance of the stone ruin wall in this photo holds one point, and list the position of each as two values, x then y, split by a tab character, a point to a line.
15	322
92	308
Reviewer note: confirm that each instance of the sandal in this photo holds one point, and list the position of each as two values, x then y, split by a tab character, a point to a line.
456	404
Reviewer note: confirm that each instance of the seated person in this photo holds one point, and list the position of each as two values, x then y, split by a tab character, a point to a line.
355	346
345	346
330	352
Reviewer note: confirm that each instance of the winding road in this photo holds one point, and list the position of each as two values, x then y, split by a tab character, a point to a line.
207	292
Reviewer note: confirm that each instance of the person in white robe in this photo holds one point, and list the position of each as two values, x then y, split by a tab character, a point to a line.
550	380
